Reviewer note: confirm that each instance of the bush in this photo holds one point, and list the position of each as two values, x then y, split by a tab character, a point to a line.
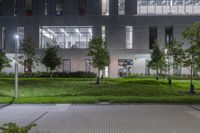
175	77
48	75
14	128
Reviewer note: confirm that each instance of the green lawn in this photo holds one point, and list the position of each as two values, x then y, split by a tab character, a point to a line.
85	91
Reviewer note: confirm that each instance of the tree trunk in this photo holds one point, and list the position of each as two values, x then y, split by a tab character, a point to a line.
98	77
192	91
169	76
157	74
51	74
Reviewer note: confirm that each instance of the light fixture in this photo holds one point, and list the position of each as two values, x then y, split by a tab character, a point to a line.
62	30
17	36
77	30
52	32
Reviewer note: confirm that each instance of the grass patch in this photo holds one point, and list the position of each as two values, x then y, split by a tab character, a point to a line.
84	90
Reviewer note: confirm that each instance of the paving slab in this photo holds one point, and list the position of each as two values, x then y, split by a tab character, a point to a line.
64	118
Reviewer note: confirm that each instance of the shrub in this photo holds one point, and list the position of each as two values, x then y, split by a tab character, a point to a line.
47	75
14	128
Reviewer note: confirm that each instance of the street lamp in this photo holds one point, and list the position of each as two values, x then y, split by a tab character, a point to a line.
16	65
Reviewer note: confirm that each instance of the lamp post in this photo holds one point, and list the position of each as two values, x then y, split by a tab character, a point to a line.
16	65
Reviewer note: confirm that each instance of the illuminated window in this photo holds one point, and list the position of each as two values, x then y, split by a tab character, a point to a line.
125	67
28	8
45	7
121	7
105	7
129	37
168	35
3	38
103	32
20	33
170	7
66	37
59	7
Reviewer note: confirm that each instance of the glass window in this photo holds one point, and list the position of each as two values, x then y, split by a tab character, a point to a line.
121	7
168	35
82	7
45	7
15	7
3	39
20	33
103	32
129	37
125	67
169	7
59	7
66	36
66	65
152	36
105	7
1	7
28	8
87	65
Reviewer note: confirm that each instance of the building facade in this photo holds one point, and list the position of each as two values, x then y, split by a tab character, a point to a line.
129	26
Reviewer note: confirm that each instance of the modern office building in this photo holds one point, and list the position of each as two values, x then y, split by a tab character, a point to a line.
129	26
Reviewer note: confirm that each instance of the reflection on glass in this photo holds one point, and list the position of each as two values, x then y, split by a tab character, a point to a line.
105	7
121	7
59	7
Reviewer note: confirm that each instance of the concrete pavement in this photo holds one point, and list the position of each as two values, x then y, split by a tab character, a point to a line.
64	118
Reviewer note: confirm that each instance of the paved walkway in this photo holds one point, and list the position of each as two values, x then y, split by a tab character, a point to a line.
105	118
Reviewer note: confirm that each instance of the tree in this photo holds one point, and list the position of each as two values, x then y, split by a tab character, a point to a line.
192	54
29	58
4	60
100	55
191	61
192	33
50	58
173	55
157	60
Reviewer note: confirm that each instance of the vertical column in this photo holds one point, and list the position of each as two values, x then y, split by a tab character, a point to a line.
131	7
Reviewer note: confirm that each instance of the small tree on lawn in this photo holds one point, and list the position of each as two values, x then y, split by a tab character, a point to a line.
157	60
4	61
50	58
191	60
174	57
29	58
100	55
